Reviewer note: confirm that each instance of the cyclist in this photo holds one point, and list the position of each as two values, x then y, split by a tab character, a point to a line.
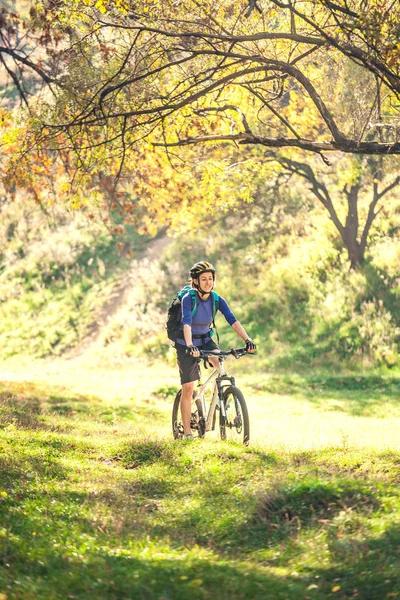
196	334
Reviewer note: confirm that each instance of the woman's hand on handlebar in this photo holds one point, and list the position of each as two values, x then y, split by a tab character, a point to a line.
193	351
250	346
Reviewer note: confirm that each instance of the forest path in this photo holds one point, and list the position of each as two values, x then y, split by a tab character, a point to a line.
121	291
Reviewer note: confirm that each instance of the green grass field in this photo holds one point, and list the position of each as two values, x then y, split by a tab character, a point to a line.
97	500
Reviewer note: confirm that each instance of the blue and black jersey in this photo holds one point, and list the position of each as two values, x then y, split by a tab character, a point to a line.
202	320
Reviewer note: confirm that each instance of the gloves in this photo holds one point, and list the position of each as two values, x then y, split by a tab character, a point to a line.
250	345
190	349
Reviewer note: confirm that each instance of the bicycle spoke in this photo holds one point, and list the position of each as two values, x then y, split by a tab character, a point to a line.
196	418
235	426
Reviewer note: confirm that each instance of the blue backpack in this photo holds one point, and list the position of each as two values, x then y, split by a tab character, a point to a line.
174	327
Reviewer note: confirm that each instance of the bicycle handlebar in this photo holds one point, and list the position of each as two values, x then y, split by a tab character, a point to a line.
236	352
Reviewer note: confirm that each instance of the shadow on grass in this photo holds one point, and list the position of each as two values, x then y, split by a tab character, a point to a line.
174	453
225	514
65	563
131	555
275	516
19	473
309	503
150	489
367	569
119	574
21	412
27	405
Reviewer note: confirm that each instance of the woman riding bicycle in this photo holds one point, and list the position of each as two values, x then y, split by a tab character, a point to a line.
197	333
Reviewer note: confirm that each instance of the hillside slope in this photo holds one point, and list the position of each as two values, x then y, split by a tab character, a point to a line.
67	286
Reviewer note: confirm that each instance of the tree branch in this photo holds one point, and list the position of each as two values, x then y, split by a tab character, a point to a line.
275	65
318	189
16	81
371	211
347	146
295	37
370	62
246	125
389	187
18	58
272	109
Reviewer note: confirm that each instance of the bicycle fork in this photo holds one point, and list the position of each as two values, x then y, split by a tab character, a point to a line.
211	412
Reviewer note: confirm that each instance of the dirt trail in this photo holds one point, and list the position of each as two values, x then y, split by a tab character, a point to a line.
153	252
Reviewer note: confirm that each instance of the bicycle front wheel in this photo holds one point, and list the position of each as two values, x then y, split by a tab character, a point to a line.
197	423
235	427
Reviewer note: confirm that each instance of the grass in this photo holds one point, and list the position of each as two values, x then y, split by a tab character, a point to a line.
59	288
96	500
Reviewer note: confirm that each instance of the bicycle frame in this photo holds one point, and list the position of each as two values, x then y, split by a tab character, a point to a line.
215	379
225	396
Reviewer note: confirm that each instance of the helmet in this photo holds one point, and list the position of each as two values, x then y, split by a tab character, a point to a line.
201	267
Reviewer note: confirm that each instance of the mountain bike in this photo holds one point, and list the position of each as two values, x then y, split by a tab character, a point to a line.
218	395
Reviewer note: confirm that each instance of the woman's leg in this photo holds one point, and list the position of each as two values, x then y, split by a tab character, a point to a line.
190	372
186	405
214	360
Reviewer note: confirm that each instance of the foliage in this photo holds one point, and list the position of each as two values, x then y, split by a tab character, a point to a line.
220	62
57	274
301	303
119	81
288	282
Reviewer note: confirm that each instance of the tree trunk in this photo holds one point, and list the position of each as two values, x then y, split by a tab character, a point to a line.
354	250
350	230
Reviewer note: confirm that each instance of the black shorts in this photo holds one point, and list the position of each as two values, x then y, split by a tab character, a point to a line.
189	367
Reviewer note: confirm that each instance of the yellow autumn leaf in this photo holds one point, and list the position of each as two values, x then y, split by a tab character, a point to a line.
336	588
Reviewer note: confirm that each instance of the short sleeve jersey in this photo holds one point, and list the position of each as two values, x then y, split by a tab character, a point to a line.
202	320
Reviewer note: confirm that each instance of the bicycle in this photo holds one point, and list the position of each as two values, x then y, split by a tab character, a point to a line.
226	399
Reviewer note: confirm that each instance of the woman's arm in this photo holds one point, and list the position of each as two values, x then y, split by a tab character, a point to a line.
187	325
235	324
239	329
187	334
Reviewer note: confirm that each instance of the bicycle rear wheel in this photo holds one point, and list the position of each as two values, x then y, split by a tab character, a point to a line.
197	423
235	427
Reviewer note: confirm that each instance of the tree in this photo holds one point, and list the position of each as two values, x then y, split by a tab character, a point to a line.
314	75
168	59
363	179
187	73
28	51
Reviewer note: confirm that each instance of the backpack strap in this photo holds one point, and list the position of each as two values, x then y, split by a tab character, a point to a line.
183	292
215	308
193	295
215	304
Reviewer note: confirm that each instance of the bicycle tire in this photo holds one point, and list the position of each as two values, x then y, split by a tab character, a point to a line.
236	426
197	423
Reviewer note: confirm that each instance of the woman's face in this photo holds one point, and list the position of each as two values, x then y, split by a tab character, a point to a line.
206	282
